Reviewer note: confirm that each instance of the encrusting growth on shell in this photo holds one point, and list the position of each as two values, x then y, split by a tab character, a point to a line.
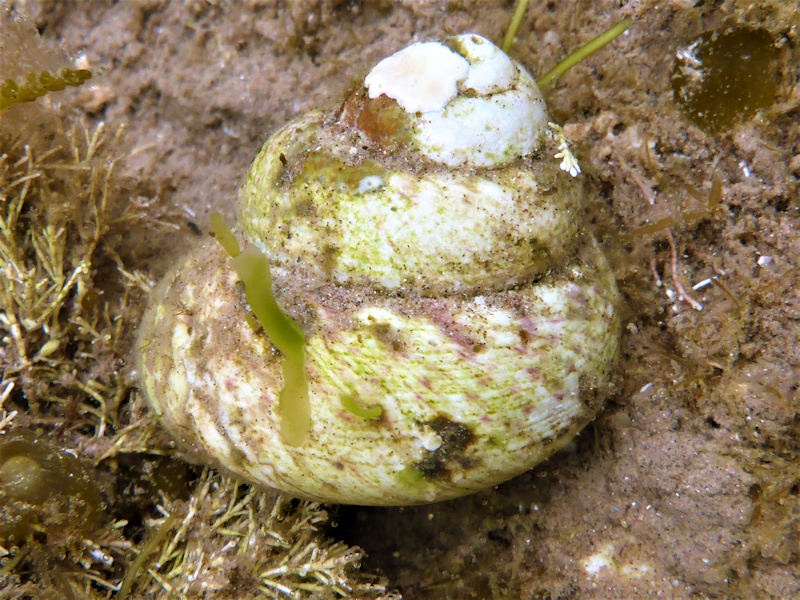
466	101
459	324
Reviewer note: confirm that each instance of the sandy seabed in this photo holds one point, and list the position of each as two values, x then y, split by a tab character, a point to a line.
686	486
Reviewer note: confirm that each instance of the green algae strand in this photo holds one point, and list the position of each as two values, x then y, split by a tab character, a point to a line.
372	413
252	268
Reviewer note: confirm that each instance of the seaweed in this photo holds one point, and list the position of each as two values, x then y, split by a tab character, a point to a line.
583	52
253	269
230	540
36	85
57	222
572	59
371	413
724	77
30	67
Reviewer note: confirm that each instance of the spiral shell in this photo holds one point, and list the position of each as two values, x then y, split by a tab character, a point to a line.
459	323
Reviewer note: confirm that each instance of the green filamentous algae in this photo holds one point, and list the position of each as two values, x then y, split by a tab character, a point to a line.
253	269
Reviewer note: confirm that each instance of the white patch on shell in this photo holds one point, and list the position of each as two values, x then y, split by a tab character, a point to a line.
430	440
422	77
490	69
474	106
370	183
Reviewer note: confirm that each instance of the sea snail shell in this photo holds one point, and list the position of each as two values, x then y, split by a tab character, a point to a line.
459	323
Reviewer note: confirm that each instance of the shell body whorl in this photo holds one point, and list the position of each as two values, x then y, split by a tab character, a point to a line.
465	305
